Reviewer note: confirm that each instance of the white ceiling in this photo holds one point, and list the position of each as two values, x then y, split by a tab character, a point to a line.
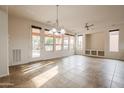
72	17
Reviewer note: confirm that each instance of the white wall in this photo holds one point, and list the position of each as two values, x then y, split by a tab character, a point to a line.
95	41
20	38
88	41
115	55
3	43
108	54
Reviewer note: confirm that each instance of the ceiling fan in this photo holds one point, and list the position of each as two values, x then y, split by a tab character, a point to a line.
88	26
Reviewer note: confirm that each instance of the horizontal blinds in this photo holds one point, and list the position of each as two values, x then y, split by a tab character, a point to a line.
69	34
113	30
36	27
80	35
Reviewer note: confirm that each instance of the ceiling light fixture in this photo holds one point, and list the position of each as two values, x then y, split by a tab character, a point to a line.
57	30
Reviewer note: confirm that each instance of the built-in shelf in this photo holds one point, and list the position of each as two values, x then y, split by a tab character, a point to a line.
97	53
87	52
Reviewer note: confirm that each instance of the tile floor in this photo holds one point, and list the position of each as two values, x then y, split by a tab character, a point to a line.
70	72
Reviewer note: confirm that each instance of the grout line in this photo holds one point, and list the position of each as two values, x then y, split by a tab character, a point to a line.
113	75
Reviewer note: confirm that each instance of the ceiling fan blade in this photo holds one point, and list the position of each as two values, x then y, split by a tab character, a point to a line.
92	25
87	26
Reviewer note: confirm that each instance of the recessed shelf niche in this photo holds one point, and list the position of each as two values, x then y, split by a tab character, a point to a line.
95	43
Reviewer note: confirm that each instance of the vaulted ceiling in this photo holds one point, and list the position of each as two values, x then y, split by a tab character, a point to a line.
72	17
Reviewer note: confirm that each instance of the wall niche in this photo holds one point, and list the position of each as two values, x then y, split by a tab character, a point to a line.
95	44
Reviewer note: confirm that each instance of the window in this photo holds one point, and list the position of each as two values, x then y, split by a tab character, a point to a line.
66	42
114	41
72	42
49	41
80	42
36	41
58	42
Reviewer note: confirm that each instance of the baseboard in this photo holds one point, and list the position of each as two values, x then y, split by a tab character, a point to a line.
4	75
18	63
38	60
103	57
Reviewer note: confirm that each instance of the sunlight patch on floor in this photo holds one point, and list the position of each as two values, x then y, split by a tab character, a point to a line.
38	67
44	77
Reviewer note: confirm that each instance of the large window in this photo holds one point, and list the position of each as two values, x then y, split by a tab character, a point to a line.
49	41
114	41
80	42
66	42
36	41
58	41
72	42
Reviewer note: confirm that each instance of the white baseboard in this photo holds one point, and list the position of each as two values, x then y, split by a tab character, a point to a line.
4	75
39	59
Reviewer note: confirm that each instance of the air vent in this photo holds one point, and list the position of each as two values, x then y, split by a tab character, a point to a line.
16	55
100	53
97	53
87	52
93	52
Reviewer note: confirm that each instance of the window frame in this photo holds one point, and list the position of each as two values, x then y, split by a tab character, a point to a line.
55	37
110	31
48	35
72	44
38	28
68	41
80	45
